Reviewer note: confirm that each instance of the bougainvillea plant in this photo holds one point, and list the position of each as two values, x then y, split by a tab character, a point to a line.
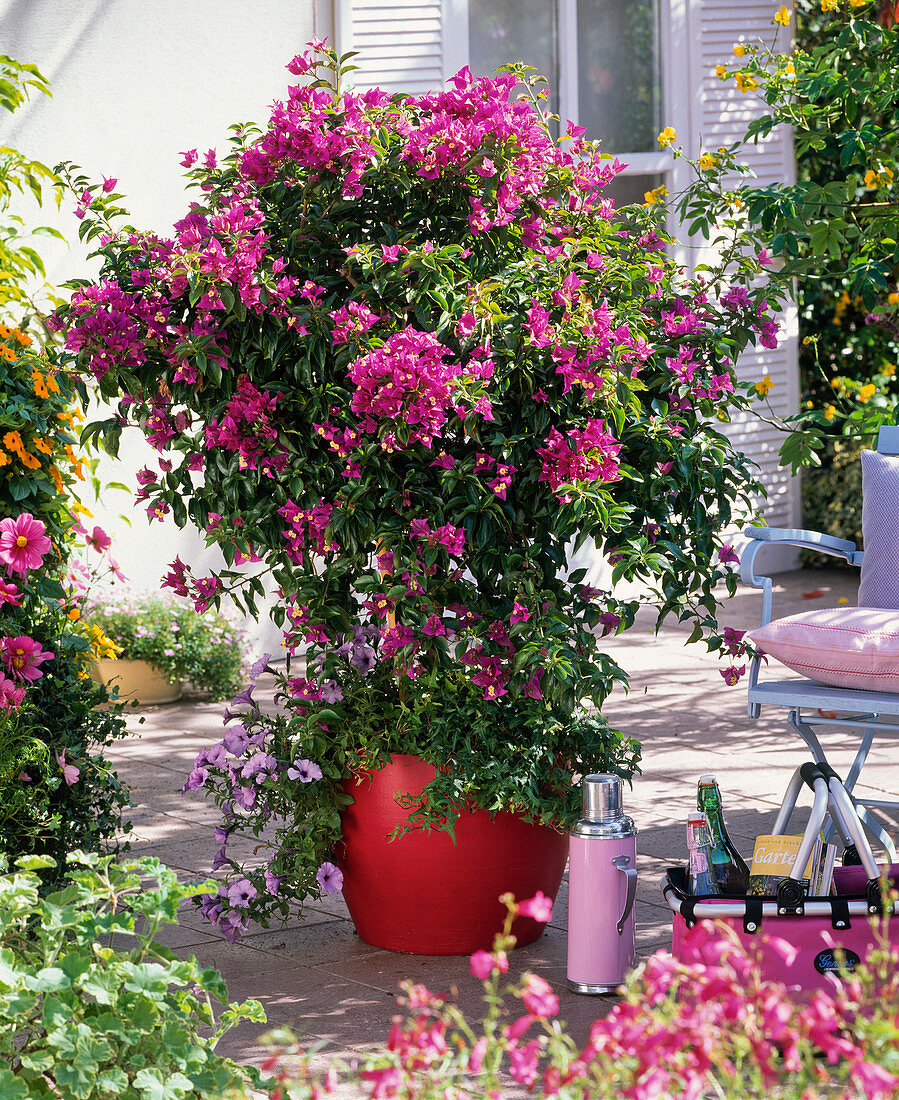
400	356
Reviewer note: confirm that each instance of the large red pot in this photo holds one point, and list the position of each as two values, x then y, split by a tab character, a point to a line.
424	894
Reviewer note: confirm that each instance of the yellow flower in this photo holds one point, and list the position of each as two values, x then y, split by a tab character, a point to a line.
889	369
656	195
893	298
740	49
867	392
783	16
790	71
707	161
829	5
746	82
810	404
830	412
806	340
667	137
764	386
857	3
721	72
78	508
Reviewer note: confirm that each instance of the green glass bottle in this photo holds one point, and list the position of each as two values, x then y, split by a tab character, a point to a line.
728	866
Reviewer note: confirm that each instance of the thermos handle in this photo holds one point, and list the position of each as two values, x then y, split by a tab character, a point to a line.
621	862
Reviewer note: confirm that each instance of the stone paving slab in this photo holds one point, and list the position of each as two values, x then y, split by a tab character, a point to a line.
318	977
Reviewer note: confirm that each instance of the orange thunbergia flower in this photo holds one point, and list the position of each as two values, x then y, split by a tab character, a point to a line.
5	332
9	356
52	384
23	337
29	460
39	383
57	478
13	441
4	458
43	446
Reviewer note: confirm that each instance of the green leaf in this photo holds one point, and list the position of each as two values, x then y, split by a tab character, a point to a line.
154	1085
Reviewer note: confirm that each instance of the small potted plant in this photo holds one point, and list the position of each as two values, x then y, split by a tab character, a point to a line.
154	642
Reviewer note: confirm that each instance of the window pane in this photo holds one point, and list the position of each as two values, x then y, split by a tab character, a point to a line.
501	31
626	190
619	79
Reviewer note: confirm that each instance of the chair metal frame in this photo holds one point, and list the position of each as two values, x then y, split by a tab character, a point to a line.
845	813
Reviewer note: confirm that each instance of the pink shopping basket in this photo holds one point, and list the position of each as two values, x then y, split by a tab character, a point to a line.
827	923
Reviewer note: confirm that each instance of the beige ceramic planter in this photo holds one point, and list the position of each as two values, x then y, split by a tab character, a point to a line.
137	681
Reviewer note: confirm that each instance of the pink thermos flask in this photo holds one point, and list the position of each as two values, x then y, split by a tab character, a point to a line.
602	885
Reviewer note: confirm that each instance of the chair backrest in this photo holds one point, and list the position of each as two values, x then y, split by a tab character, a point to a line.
879	581
888	439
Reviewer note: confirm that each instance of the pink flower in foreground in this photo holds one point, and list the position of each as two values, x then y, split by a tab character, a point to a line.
23	543
69	772
539	907
483	963
538	996
99	540
732	674
728	556
9	594
22	655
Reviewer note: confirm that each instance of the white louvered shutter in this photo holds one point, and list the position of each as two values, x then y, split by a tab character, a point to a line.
720	113
404	45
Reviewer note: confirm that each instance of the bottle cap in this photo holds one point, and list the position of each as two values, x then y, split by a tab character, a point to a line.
710	778
602	797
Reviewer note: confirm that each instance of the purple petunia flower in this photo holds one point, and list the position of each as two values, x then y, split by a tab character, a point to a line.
260	666
231	926
331	691
244	797
195	780
273	881
245	696
236	740
304	770
329	878
260	764
240	891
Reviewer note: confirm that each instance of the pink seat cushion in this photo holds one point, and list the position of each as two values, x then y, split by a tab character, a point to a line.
879	583
853	647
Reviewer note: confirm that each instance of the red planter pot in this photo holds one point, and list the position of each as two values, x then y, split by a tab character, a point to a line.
423	894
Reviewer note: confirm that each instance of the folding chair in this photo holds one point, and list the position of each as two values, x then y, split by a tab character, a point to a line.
811	705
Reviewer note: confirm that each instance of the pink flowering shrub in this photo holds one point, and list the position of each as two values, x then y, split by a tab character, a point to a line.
397	357
706	1029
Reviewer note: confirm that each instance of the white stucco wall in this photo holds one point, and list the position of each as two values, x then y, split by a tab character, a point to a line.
135	82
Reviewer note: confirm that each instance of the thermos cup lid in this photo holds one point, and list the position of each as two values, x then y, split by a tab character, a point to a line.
602	797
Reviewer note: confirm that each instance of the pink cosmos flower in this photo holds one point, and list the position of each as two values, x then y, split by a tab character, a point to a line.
9	594
11	694
23	543
539	907
22	655
98	540
69	772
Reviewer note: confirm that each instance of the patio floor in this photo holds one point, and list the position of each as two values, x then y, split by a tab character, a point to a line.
316	976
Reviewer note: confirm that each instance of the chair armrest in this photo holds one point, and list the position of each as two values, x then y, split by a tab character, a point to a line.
808	540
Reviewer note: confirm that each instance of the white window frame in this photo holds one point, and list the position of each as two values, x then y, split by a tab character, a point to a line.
676	60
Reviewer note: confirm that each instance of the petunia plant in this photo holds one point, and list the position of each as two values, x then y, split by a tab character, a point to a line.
400	358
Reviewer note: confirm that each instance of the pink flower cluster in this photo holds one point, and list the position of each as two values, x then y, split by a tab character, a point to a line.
451	538
247	429
588	454
407	381
307	530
